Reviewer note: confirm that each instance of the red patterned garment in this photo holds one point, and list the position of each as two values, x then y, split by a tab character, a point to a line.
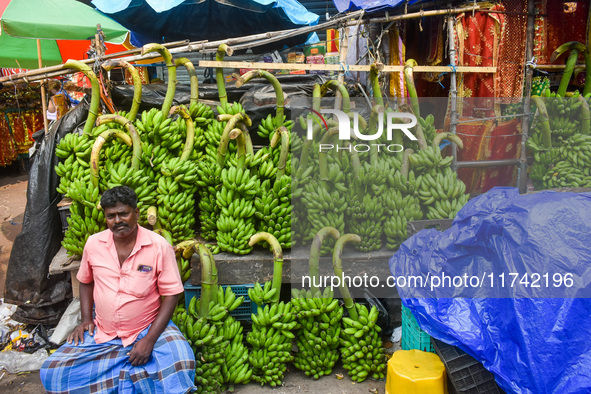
21	132
7	146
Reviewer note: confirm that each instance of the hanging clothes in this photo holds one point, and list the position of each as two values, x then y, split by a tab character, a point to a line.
397	58
8	152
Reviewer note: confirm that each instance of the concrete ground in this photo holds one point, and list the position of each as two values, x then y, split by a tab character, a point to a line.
13	191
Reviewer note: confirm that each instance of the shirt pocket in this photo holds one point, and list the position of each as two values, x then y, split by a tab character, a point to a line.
140	284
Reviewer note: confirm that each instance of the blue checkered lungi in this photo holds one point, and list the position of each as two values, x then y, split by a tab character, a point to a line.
105	368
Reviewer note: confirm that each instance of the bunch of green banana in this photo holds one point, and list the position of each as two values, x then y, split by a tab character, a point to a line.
317	337
400	209
176	209
362	353
271	340
201	114
324	208
273	210
85	218
236	222
442	196
564	174
271	123
429	160
577	150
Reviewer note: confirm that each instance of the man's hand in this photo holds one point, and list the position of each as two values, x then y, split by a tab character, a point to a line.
77	336
141	351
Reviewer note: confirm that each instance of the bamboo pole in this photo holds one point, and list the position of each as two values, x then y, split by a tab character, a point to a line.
43	103
421	14
453	90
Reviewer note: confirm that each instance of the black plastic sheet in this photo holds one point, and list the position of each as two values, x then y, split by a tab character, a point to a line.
41	298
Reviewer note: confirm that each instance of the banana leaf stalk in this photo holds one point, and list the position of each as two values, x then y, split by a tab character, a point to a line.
135	137
374	69
189	141
183	61
338	271
171	88
281	134
405	167
219	72
96	151
279	99
277	261
544	121
225	139
207	267
95	96
314	270
137	84
338	86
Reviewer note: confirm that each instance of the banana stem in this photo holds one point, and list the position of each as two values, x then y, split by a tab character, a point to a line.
585	116
456	140
545	121
571	61
308	143
206	259
337	85
405	167
322	156
338	271
152	215
374	69
437	140
373	121
183	61
279	99
238	135
587	54
166	234
281	134
314	270
95	153
165	53
277	260
223	147
219	72
95	96
190	140
355	162
247	140
137	84
135	137
410	86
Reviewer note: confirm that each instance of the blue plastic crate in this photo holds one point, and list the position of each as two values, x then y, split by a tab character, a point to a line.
412	335
243	312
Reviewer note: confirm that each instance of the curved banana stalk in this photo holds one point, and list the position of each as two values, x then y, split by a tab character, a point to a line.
190	140
575	48
96	151
373	122
170	90
456	140
277	260
314	270
137	84
223	147
437	140
322	155
281	134
308	143
374	70
183	61
135	137
238	135
545	121
95	96
340	87
279	99
219	72
405	167
167	236
338	271
247	140
207	267
587	55
410	86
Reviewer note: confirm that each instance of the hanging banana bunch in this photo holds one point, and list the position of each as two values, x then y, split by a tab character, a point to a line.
319	319
362	353
271	337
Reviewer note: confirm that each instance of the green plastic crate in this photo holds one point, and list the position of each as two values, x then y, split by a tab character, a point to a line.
412	335
243	312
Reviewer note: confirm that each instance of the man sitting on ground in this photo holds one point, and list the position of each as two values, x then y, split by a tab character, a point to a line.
131	277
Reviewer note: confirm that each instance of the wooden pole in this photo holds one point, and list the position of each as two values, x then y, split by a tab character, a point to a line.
43	103
453	89
343	50
421	14
529	52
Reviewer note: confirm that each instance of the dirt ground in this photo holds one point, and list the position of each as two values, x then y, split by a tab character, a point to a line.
13	191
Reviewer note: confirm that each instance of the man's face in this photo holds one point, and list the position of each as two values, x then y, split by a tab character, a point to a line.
121	219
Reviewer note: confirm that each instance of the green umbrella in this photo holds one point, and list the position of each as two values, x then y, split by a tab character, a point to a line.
23	21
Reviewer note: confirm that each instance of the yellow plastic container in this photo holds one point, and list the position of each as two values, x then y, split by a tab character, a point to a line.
415	372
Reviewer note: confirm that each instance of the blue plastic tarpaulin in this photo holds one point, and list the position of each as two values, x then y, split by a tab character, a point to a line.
530	329
170	20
